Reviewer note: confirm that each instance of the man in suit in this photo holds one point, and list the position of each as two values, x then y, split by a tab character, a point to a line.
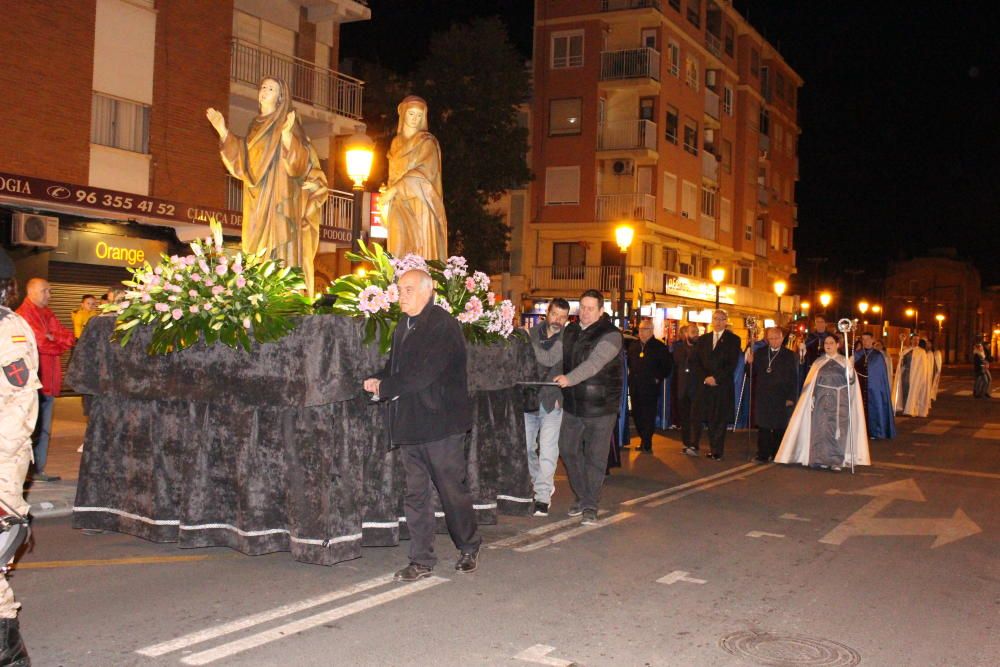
776	386
684	387
649	361
715	358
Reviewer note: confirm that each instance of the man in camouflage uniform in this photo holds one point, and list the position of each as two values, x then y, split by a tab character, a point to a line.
19	387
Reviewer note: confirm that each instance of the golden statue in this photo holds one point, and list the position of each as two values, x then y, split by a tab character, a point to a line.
284	187
412	205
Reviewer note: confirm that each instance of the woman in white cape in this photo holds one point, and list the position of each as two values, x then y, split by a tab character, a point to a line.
912	385
827	429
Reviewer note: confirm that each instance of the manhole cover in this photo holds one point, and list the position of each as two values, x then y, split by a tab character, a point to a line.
774	650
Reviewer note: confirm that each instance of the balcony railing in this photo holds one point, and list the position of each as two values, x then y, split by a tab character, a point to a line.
627	135
712	103
318	86
709	166
337	214
626	207
618	5
579	278
641	63
713	44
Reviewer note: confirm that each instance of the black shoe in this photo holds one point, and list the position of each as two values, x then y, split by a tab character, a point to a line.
759	460
42	477
691	451
541	509
714	457
412	572
12	649
467	563
574	510
589	517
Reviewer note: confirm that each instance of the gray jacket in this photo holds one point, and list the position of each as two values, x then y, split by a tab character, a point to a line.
549	366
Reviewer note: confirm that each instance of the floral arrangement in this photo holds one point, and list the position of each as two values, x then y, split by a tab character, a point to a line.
375	296
209	294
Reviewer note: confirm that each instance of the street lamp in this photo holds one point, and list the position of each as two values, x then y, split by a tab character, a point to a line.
779	288
359	155
940	320
912	312
863	307
623	235
804	307
824	300
718	274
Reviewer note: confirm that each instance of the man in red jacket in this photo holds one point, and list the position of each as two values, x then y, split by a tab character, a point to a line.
53	339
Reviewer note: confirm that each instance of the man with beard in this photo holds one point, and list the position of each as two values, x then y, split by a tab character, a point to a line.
776	385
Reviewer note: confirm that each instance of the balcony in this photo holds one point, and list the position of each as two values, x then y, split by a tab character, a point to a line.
712	104
709	166
317	86
578	278
627	135
713	44
635	66
763	195
620	5
764	146
626	207
337	214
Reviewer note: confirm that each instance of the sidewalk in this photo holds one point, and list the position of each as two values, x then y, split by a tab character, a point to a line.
52	499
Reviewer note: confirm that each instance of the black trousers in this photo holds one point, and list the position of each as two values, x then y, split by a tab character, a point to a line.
584	443
644	404
716	436
685	422
768	441
439	464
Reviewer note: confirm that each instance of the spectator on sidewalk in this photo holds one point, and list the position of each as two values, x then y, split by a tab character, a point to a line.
649	362
53	339
83	314
981	369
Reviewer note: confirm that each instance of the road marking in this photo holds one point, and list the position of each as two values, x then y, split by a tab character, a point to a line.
788	516
137	560
763	533
579	530
921	444
949	471
261	617
865	521
905	455
704	487
539	654
301	625
687	485
528	535
678	575
964	392
988	431
936	426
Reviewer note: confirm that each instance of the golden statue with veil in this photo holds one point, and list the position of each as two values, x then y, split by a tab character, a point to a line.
412	206
284	187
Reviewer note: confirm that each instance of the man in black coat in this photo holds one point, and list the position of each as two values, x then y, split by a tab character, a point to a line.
684	387
716	355
429	415
776	388
649	362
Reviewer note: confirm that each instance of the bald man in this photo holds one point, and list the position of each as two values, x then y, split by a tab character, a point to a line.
53	339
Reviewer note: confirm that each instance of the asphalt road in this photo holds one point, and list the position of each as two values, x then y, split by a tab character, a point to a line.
694	563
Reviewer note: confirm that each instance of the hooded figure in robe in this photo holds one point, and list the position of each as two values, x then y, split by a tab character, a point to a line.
875	373
912	389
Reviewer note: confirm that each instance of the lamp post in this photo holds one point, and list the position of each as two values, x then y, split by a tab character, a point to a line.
359	154
623	236
779	289
877	310
718	274
863	308
912	312
824	300
804	308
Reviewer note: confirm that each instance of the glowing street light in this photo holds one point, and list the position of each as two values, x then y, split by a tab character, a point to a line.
804	308
863	307
824	300
940	320
358	156
623	236
779	288
914	313
718	274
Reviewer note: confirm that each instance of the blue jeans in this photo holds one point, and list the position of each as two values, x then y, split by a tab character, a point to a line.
541	431
43	430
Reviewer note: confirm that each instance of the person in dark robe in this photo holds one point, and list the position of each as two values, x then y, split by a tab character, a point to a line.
649	362
981	371
776	384
716	355
872	368
684	385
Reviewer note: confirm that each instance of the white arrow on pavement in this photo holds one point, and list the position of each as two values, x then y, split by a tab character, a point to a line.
762	533
678	575
865	521
539	654
789	516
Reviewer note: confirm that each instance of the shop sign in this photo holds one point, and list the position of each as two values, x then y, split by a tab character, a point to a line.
376	229
107	250
697	289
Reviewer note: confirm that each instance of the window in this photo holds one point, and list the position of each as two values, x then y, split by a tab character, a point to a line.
685	269
676	4
691	67
765	121
694	12
748	222
564	116
730	39
647	254
562	185
779	136
788	190
786	239
648	38
647	108
727	100
691	135
743	276
568	260
727	156
754	62
670	192
669	259
670	127
674	58
119	124
725	216
689	200
765	83
775	235
779	85
567	49
708	202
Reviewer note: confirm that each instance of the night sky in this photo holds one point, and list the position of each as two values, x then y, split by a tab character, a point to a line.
900	115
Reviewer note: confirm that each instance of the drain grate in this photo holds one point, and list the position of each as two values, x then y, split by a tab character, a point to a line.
773	650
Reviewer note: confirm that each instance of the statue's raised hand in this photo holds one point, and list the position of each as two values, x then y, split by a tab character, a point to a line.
289	122
218	122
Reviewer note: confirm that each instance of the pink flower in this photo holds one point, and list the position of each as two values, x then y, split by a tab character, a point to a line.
204	266
209	282
196	277
473	311
246	322
146	298
189	260
177	313
372	299
392	291
162	307
470	284
491	298
154	280
207	306
193	308
158	271
241	282
481	279
217	290
221	269
238	265
192	292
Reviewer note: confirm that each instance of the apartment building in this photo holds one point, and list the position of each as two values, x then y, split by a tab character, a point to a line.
106	157
677	118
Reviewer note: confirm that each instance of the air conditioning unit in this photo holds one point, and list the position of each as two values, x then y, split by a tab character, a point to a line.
623	167
35	230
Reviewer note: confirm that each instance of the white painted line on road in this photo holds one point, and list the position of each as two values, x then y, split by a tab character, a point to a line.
763	533
988	432
921	444
948	471
937	426
687	485
964	392
283	631
678	575
579	530
905	454
262	617
704	487
788	516
528	535
539	655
